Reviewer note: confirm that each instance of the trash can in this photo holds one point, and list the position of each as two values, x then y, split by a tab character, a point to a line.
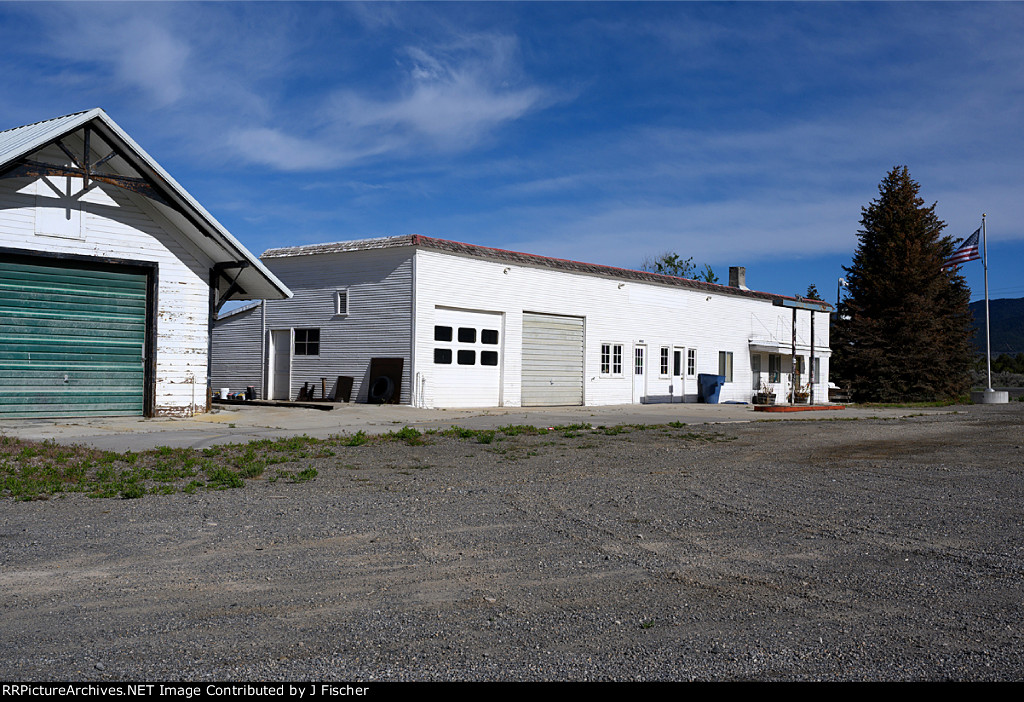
709	386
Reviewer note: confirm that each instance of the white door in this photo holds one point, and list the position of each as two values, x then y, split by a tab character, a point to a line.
678	374
280	362
467	358
639	374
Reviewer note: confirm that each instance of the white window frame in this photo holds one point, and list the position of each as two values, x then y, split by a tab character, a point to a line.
691	363
342	302
614	366
725	365
664	362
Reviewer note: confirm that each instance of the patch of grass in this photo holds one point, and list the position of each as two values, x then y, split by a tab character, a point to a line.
38	470
132	491
304	475
458	432
521	429
357	439
223	478
409	435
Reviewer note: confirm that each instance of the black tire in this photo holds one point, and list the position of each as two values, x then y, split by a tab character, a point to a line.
381	389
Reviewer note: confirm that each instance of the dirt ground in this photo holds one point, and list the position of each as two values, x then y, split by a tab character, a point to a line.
785	550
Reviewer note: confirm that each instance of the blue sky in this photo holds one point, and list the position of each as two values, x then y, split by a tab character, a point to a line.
736	133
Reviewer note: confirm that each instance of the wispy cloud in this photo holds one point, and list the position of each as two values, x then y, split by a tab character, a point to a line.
444	98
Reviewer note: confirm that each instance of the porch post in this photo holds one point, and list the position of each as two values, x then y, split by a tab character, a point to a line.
792	373
810	399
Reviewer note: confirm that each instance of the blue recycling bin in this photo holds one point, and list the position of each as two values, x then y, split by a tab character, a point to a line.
710	386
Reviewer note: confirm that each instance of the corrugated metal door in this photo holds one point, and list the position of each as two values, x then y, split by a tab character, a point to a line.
552	360
72	339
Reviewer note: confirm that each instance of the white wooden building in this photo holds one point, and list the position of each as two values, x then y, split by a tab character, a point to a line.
110	276
481	327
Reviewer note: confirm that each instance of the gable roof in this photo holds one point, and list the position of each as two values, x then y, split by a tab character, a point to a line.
472	250
179	207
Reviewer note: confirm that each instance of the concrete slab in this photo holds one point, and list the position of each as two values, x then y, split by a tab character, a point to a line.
240	424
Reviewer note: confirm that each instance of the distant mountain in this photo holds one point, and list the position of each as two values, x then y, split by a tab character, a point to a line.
1006	317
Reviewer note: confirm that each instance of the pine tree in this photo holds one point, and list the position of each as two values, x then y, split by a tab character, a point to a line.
903	333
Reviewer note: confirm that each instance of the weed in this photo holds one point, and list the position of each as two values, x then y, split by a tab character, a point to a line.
224	478
409	435
132	491
304	475
357	439
518	429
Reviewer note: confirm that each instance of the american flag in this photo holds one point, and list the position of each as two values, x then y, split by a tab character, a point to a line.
967	252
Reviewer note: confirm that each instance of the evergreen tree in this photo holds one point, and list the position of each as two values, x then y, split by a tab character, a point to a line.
903	332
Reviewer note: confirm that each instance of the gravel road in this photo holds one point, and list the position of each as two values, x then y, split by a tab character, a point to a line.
783	550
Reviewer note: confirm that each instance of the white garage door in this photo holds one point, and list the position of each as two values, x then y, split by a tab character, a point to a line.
465	370
552	360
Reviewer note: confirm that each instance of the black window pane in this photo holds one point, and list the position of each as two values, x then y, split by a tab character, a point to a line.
488	358
467	335
467	358
442	355
489	336
307	342
442	333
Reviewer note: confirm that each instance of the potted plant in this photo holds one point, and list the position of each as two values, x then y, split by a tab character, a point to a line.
803	392
764	396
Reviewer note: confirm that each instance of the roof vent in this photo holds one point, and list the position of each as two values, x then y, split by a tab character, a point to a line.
738	277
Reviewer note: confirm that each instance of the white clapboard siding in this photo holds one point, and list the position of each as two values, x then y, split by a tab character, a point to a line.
616	311
119	225
377	324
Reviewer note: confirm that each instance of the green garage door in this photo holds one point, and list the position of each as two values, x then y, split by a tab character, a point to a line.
72	339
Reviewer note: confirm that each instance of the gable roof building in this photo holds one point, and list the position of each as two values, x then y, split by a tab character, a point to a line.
439	323
110	276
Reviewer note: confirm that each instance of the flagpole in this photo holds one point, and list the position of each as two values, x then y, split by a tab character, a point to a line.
988	335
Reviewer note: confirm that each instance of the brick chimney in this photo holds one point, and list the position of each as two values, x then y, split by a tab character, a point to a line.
738	277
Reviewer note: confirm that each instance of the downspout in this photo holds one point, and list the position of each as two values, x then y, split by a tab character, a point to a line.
212	313
263	349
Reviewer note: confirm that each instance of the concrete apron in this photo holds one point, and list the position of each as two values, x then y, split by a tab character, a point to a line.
240	424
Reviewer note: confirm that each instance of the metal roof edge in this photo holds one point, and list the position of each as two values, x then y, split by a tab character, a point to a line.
239	310
215	228
449	246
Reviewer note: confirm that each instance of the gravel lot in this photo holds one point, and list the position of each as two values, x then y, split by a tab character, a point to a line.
781	550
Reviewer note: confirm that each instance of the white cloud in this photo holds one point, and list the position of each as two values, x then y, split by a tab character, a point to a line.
447	99
136	52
